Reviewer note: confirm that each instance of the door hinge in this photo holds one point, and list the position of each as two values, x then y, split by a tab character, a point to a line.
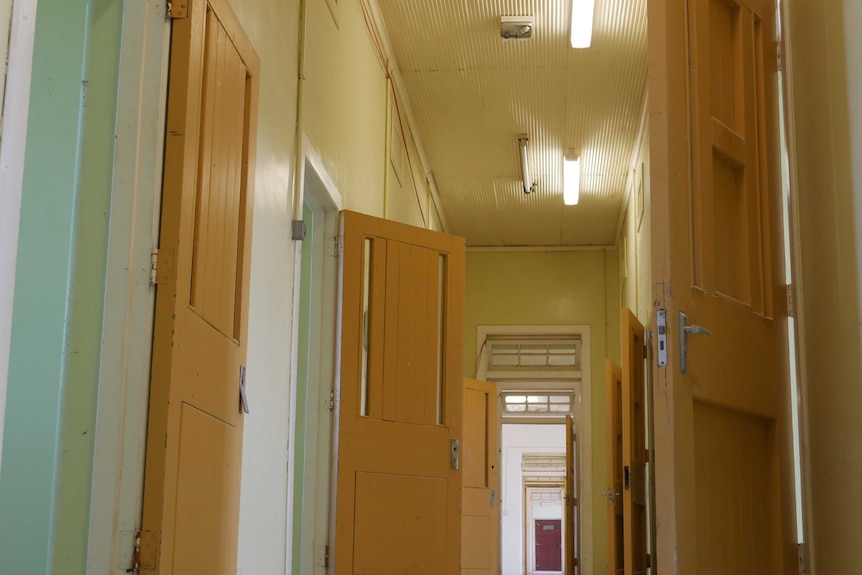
322	558
626	478
791	301
779	57
162	267
331	400
335	246
146	549
802	553
178	9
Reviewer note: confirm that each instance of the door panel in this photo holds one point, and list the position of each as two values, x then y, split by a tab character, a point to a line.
194	435
572	500
480	547
549	543
614	422
636	558
398	401
717	241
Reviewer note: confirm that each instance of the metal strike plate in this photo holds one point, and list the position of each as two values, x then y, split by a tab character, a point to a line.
454	455
661	342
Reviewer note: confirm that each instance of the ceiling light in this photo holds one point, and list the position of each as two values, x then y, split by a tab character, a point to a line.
571	179
516	27
582	23
529	186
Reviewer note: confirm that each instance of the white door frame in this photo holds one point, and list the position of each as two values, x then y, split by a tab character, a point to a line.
583	418
14	109
529	526
124	375
320	189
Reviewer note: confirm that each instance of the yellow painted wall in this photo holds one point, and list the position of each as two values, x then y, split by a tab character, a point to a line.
826	88
538	288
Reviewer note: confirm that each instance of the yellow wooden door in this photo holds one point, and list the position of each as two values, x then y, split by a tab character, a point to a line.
194	435
573	524
614	493
398	400
480	524
724	473
633	417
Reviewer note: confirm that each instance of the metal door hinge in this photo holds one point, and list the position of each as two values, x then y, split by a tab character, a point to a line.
146	549
802	553
322	556
162	267
791	301
178	9
335	246
331	400
779	57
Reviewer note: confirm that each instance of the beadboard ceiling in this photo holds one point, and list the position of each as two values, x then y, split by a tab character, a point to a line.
473	93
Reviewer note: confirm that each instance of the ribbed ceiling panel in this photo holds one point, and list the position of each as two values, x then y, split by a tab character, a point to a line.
474	93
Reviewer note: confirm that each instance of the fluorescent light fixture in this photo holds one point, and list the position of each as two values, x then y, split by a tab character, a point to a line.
525	165
582	23
571	179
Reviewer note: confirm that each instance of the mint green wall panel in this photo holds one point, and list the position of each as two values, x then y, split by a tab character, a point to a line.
59	289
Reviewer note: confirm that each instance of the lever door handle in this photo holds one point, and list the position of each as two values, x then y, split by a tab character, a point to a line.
686	330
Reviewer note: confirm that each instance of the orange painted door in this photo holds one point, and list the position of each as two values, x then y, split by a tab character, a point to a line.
398	401
194	436
573	524
614	493
723	449
480	524
633	418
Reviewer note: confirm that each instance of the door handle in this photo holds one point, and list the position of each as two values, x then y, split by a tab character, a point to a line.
686	330
243	398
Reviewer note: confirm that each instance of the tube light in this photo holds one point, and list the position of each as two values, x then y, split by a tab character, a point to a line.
582	23
525	165
571	180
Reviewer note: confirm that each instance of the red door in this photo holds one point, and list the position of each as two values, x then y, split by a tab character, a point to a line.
549	545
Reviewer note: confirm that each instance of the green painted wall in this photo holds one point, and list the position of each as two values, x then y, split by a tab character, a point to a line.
59	289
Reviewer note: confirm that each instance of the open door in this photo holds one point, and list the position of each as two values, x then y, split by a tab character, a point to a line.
573	524
398	400
196	411
614	423
724	473
480	535
636	556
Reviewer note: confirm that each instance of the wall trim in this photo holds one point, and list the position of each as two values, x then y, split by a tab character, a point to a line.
121	418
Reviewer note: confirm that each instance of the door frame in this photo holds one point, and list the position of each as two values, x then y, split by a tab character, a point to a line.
16	109
529	524
121	418
318	186
583	418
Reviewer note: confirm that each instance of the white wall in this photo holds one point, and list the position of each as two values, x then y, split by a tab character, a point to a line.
518	439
